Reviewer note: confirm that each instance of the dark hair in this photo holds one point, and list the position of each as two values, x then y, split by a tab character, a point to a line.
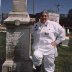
43	12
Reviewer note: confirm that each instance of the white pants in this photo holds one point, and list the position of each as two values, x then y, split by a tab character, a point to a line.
48	60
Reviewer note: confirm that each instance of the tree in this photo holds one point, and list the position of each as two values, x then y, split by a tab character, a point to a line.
70	18
63	20
70	14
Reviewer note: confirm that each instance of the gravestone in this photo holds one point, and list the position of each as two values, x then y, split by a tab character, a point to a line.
19	5
18	39
66	41
54	16
19	12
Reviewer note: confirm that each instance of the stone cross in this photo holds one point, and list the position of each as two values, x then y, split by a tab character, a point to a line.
19	5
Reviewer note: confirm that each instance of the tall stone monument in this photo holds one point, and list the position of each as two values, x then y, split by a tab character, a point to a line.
19	12
19	5
18	39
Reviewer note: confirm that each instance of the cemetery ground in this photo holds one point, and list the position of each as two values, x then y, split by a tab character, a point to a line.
63	61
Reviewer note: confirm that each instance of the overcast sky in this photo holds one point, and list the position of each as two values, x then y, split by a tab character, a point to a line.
40	5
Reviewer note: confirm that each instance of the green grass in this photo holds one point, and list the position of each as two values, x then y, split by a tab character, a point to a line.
2	48
63	61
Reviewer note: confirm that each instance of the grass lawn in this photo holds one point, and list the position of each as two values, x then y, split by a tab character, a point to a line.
63	61
2	48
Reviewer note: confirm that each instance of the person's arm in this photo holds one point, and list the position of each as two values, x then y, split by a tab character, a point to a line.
61	34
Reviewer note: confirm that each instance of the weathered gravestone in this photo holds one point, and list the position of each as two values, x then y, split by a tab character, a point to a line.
18	39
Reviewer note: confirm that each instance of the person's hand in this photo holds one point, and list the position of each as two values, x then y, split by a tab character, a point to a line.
53	44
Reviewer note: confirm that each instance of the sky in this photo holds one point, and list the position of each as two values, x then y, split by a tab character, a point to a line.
0	2
0	5
40	5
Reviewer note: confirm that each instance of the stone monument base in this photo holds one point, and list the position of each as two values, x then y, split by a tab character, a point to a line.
8	66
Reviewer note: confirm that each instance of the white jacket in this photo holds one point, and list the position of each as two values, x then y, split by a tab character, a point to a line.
44	34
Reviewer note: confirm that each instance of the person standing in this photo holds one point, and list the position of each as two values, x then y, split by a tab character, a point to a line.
47	35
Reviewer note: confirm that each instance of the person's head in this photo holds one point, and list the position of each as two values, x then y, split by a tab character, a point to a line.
43	16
